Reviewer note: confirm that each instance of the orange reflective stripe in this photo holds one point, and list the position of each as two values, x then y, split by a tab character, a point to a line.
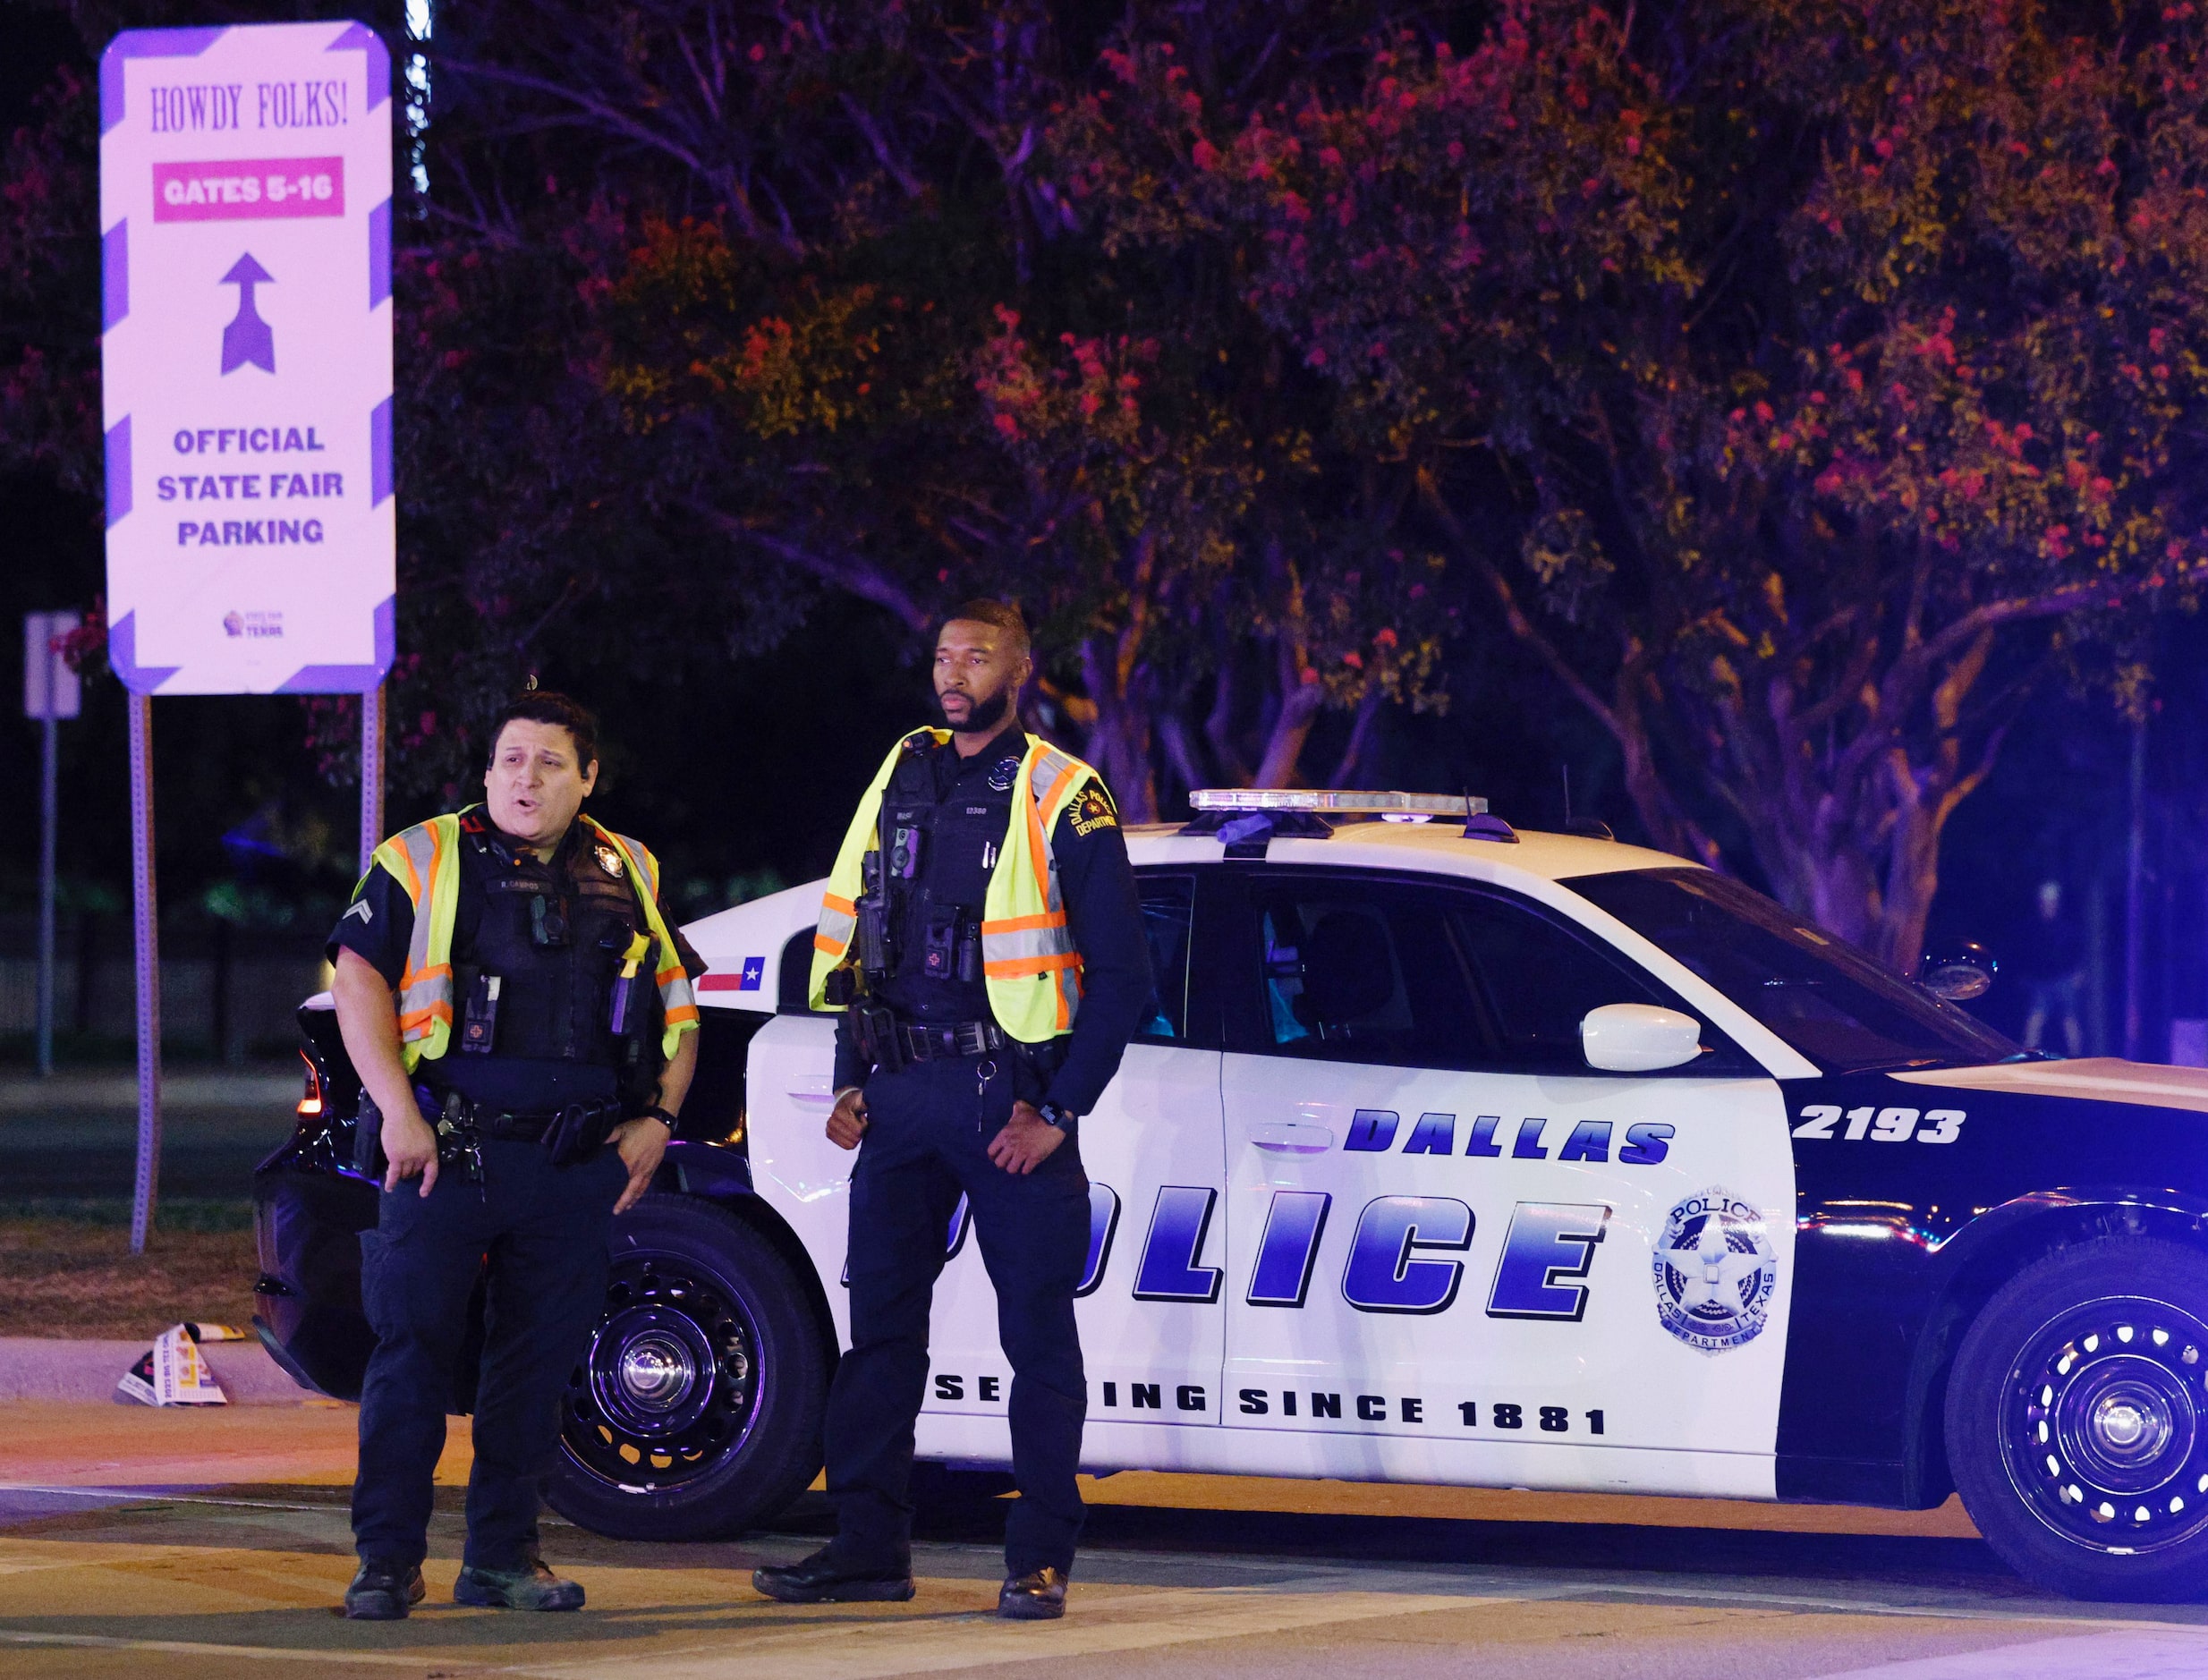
1019	967
827	946
681	1013
844	904
1024	924
414	977
412	882
423	1017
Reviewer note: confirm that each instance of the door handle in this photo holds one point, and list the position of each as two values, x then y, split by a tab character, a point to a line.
813	1090
1285	1134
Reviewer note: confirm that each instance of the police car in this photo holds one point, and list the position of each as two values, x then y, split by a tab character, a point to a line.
1448	1154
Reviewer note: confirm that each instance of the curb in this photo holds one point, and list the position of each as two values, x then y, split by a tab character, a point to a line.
54	1370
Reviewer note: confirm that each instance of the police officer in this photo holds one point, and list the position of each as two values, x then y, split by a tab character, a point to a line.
983	934
520	1018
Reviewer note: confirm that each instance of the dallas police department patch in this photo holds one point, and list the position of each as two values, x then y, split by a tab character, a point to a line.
609	860
1715	1272
1002	777
1093	810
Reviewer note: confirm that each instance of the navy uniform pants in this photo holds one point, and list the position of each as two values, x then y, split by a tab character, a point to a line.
927	1133
543	1230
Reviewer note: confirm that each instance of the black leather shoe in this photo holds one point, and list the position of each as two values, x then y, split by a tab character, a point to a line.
531	1587
1038	1596
382	1591
820	1579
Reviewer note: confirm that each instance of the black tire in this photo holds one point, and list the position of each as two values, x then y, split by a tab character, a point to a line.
2077	1422
696	1411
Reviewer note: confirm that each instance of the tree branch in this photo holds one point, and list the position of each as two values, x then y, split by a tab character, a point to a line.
845	572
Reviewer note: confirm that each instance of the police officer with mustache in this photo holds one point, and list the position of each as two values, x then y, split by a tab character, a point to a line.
519	1014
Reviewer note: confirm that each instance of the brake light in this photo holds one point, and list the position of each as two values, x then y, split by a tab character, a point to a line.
311	1103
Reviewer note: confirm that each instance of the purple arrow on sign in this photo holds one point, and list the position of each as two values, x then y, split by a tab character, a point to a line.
248	338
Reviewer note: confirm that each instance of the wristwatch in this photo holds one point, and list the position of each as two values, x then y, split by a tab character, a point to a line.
1054	1116
656	1113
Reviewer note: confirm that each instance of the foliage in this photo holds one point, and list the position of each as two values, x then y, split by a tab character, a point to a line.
1796	378
1798	383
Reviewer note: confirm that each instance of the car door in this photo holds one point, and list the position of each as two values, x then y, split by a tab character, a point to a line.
1459	1253
1149	1305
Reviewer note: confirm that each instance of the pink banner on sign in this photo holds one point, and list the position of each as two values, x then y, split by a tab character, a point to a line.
249	191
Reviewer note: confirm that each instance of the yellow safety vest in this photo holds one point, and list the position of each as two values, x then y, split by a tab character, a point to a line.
1028	959
426	859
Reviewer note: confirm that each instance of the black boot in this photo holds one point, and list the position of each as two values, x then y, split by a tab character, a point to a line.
382	1591
820	1579
1037	1596
531	1587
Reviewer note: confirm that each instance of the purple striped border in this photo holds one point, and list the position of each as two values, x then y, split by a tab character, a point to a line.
380	253
380	453
118	472
114	275
122	658
151	44
359	39
351	679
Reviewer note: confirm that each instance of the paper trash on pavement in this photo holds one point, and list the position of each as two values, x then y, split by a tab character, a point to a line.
172	1373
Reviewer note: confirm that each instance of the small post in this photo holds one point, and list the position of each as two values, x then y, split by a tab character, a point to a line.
51	692
371	774
147	926
49	819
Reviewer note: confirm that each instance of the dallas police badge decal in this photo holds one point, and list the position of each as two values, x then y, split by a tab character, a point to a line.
609	860
1715	1272
1002	777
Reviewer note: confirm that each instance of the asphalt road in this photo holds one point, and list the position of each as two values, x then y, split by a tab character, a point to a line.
76	1134
132	1540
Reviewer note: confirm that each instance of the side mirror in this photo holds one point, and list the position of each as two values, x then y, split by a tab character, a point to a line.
1957	971
1638	1038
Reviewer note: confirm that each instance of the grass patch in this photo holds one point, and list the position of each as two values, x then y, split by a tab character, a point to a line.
182	1213
66	1268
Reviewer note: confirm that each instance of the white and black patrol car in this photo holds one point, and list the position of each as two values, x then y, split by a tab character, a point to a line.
1448	1154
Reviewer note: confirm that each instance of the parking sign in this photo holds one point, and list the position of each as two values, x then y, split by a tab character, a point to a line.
245	214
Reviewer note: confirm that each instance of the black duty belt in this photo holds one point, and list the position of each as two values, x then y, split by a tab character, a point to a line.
518	1128
936	1040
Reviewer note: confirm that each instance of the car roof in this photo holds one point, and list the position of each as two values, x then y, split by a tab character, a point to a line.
756	932
1437	847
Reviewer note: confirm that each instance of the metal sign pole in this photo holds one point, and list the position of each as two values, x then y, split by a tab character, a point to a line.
51	692
49	818
371	774
148	931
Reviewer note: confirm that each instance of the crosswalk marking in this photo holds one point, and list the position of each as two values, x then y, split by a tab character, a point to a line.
2158	1656
1099	1624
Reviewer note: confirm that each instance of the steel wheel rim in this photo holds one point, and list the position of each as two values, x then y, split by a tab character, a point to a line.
669	1386
2104	1425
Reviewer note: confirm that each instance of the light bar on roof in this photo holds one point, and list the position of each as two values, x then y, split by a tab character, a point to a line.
1335	801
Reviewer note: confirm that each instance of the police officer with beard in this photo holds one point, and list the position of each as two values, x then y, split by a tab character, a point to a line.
520	1014
982	934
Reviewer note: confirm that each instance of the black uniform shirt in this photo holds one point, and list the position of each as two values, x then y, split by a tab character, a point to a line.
378	926
1103	911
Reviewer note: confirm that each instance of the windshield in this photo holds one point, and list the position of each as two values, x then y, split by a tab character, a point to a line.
1822	996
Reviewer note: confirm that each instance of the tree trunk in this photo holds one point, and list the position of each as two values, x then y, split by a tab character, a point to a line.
1119	740
1301	695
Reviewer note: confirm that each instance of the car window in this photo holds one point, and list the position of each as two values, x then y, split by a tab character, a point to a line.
1417	974
1355	971
1168	918
1822	996
1537	979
